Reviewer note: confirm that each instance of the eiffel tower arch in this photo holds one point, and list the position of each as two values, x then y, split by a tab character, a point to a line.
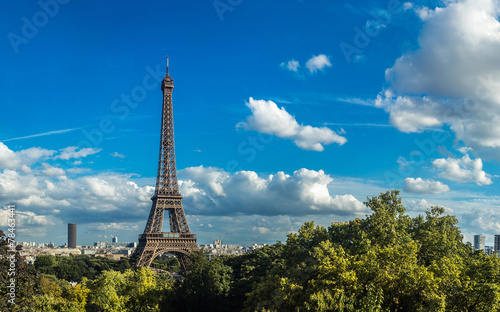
167	198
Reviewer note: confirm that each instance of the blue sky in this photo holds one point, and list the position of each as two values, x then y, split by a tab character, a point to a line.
284	112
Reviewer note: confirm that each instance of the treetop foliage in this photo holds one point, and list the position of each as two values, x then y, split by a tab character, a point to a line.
387	261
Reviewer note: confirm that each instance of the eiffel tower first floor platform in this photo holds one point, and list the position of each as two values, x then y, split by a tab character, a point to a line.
154	244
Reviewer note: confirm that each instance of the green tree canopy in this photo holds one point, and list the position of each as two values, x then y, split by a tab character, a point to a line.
387	261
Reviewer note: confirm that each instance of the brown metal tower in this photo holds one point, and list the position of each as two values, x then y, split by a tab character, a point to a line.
179	241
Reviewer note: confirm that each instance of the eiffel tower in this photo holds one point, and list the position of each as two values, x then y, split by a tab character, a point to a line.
179	241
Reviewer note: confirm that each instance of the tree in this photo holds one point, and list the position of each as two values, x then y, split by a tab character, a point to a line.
78	295
387	261
145	289
131	291
249	269
23	277
205	287
283	287
51	298
45	262
106	292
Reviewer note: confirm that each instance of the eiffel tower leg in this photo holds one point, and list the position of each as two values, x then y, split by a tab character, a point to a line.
146	258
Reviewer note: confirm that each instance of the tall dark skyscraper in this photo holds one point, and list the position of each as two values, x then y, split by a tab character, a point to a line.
71	235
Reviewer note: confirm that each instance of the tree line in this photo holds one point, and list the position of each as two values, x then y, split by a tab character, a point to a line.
387	261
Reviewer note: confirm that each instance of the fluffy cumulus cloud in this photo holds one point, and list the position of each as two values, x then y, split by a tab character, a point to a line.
212	191
269	119
292	65
25	218
71	152
52	171
96	194
34	154
42	191
8	159
22	159
420	186
313	65
318	62
464	169
486	219
454	76
418	206
46	197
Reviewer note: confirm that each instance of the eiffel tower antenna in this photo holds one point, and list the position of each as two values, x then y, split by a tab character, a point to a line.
179	241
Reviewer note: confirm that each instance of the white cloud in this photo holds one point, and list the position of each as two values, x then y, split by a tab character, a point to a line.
314	64
463	170
42	134
454	76
318	62
41	201
483	220
78	170
292	65
404	163
269	119
212	191
407	6
417	205
26	218
8	159
46	188
34	154
374	26
116	154
420	186
425	13
51	171
261	229
275	204
410	114
464	149
70	152
115	226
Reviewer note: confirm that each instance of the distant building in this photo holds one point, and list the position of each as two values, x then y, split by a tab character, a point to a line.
88	251
65	251
100	244
126	252
115	239
496	245
489	250
71	235
479	242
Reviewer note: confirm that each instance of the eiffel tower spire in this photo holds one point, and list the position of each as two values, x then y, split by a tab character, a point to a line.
167	197
166	181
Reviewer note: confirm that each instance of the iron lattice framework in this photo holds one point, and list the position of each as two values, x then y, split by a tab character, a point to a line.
179	240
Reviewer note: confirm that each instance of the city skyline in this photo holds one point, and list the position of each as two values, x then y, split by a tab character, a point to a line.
284	112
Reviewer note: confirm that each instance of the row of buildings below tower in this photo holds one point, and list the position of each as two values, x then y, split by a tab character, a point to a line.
480	244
